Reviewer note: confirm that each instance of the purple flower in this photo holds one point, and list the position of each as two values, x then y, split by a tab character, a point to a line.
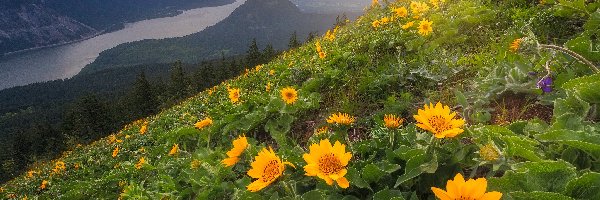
545	84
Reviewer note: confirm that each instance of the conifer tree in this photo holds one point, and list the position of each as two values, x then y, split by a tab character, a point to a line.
253	55
293	43
179	84
268	53
143	99
311	36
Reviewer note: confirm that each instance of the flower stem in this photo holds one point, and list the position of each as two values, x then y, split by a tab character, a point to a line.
572	54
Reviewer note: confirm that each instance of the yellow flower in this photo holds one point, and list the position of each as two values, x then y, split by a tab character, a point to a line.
425	27
322	54
375	3
59	166
195	164
76	166
239	145
44	184
408	25
461	189
140	163
204	123
418	8
258	67
328	162
144	128
514	46
385	20
318	46
435	3
30	173
174	150
489	152
322	130
266	168
392	121
340	118
112	139
289	95
234	95
401	12
115	152
439	120
268	87
376	24
271	72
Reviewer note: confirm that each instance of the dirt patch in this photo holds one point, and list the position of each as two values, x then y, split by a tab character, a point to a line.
513	107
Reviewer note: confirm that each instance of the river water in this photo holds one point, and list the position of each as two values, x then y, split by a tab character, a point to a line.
67	60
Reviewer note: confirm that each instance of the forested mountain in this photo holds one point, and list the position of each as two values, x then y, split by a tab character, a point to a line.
35	23
268	21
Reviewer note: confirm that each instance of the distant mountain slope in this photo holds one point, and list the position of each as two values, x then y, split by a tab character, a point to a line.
269	21
32	25
331	6
38	23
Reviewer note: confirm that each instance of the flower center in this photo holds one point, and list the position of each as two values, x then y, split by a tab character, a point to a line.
289	95
439	124
271	171
329	164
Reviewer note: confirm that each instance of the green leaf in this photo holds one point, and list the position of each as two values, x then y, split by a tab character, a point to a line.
586	88
547	176
538	195
413	169
279	127
588	142
355	179
371	173
386	194
585	187
461	99
388	167
313	194
522	147
275	105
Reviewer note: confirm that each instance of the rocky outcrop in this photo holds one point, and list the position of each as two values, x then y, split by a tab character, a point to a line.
32	25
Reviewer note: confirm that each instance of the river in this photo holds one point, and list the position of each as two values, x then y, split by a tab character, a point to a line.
66	61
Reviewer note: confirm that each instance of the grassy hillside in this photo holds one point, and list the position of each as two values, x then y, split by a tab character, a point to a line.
522	116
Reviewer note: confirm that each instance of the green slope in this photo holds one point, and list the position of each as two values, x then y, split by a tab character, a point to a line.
528	144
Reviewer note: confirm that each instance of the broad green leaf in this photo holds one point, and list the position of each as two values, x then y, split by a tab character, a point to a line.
585	187
588	142
522	147
313	195
413	169
585	87
371	173
386	194
354	178
536	195
547	176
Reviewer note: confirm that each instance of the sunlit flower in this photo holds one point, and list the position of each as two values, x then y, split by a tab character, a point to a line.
266	168
115	152
514	46
408	25
204	123
112	138
271	72
268	87
239	145
322	54
328	162
425	27
318	46
31	173
376	24
174	150
375	3
144	128
59	166
435	3
418	8
140	163
392	121
341	118
76	166
401	12
384	20
289	95
234	95
195	164
460	189
489	152
439	121
258	67
44	185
